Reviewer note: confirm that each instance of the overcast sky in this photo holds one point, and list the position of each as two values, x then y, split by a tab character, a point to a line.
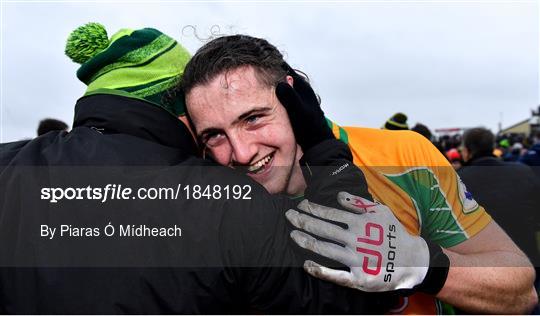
443	63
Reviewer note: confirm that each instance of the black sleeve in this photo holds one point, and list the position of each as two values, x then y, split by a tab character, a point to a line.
328	169
9	150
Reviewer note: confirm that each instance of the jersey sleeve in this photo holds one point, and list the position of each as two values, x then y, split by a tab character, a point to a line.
449	215
406	172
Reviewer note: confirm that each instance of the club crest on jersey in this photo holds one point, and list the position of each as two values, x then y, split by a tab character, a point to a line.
466	197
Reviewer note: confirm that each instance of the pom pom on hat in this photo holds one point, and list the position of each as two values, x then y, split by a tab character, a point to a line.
86	42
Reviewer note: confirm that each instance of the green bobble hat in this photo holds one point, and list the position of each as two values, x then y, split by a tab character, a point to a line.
504	143
397	122
142	64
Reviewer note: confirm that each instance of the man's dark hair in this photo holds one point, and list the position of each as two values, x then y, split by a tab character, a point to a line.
479	142
49	124
422	130
231	52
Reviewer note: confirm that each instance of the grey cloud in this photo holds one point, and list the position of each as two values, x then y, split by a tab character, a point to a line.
444	64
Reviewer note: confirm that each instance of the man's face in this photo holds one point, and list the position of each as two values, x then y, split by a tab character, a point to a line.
465	153
242	123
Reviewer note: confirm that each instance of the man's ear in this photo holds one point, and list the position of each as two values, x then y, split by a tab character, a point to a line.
290	80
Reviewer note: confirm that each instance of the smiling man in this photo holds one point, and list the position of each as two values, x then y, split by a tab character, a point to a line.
247	127
235	90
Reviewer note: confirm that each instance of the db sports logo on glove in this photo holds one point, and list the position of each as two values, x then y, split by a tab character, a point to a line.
391	255
369	252
381	254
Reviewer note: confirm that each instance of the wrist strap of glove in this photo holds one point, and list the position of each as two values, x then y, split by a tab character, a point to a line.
327	153
328	169
319	160
439	264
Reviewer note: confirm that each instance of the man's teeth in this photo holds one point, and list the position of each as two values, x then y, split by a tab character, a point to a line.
260	164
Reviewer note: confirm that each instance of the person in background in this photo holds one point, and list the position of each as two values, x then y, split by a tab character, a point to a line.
514	154
50	124
508	190
532	156
454	157
426	132
397	122
423	130
503	144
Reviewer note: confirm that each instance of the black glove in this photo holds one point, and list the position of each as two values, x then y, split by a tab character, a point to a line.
302	105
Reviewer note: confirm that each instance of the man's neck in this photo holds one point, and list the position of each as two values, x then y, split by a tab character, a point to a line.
297	184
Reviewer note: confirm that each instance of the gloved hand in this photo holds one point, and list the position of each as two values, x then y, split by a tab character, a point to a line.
381	254
306	116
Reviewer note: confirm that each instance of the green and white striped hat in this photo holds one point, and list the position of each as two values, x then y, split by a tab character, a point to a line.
140	64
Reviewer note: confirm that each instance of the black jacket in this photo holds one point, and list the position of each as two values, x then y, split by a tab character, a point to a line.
510	194
233	256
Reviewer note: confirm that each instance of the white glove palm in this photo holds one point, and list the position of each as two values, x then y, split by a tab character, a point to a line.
381	254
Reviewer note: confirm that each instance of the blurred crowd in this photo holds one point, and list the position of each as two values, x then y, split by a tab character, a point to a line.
509	147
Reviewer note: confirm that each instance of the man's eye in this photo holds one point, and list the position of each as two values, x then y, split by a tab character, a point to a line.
252	119
213	139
